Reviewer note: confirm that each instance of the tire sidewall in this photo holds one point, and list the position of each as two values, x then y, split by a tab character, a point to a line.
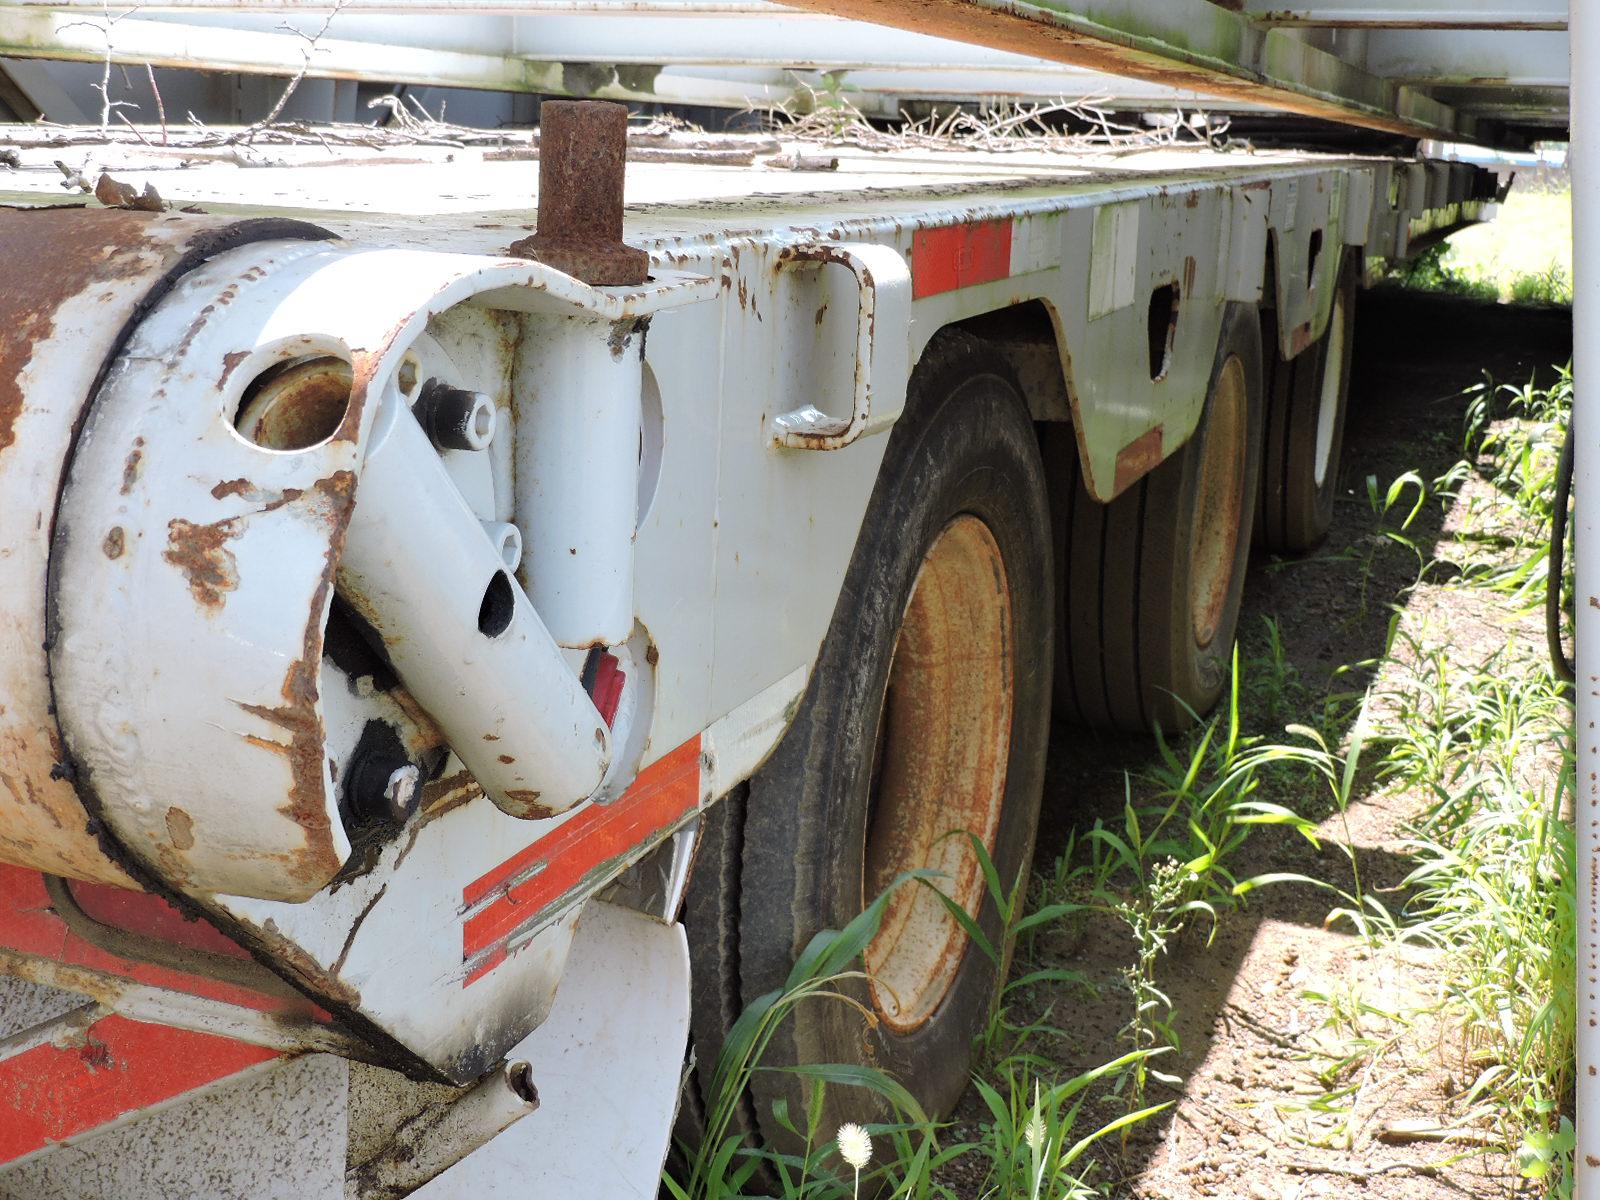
1310	514
1197	673
963	446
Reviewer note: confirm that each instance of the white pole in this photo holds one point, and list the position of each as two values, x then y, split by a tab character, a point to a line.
1584	159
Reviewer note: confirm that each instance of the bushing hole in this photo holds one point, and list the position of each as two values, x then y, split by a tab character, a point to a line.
1163	327
296	405
498	607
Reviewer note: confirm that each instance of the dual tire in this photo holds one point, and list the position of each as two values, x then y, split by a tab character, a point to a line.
1307	397
1147	610
926	719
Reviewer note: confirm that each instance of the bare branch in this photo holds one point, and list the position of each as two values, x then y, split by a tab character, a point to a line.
161	109
133	128
249	133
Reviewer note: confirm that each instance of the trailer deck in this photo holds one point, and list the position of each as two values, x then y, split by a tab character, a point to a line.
389	593
498	181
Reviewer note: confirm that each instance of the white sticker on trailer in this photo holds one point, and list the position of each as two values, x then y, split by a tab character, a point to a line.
1113	258
1035	243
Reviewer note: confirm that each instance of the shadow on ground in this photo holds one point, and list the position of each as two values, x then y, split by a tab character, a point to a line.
1415	356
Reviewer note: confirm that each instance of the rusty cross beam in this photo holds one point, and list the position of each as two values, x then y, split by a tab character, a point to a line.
1192	44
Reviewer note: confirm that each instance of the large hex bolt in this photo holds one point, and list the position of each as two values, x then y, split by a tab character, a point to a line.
583	146
455	418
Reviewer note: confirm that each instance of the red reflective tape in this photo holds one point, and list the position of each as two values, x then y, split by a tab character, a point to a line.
141	912
50	1092
29	925
492	960
607	690
660	797
958	256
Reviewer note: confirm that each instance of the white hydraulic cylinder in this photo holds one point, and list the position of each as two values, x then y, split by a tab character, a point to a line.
422	570
577	473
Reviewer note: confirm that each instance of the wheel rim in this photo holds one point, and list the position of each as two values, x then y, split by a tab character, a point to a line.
1332	387
1217	512
940	766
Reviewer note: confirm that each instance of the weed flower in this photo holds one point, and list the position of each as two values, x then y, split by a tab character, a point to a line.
1033	1133
855	1147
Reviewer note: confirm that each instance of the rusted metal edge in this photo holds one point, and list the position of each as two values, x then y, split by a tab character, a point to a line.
153	1005
1343	92
204	245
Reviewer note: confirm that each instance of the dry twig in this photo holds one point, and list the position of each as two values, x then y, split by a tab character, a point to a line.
107	104
248	134
161	108
1059	125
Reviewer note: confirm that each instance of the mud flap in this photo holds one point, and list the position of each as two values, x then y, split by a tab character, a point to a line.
607	1063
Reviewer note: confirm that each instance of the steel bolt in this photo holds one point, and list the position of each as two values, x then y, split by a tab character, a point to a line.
402	791
456	419
386	789
583	148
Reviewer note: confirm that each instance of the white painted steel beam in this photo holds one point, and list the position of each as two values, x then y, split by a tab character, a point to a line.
73	37
691	52
320	8
1410	14
1514	58
1584	160
751	61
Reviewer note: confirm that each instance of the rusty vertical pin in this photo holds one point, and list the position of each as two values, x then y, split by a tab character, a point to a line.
583	148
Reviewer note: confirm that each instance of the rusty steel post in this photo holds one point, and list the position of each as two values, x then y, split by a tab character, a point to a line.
583	147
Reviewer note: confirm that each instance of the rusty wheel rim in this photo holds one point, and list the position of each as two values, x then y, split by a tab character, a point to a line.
1216	529
944	739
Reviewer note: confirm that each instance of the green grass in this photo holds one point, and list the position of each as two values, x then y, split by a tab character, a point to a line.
1491	743
1175	858
1526	249
1513	441
1478	747
1030	1145
1523	256
1493	883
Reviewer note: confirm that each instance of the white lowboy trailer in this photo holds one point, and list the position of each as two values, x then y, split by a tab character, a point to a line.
404	621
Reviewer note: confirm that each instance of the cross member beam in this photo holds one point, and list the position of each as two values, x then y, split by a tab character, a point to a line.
1178	43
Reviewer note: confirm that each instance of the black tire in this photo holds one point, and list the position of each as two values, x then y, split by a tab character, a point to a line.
796	860
1129	655
711	919
1305	412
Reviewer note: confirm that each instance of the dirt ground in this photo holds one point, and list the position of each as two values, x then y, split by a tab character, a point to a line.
1245	1122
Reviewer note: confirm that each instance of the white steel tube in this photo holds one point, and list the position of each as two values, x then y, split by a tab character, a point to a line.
1584	25
577	475
421	569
